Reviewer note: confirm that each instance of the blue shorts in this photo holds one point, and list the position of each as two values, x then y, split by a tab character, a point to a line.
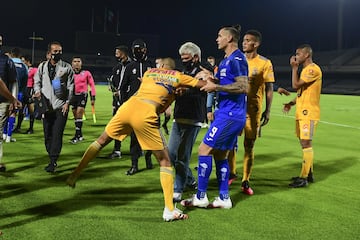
223	132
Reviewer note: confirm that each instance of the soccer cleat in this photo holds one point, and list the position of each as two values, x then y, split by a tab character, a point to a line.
177	197
2	167
245	188
175	214
114	154
132	171
51	168
310	178
195	202
232	178
299	182
218	203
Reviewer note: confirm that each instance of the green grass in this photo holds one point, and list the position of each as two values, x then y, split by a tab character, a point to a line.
107	204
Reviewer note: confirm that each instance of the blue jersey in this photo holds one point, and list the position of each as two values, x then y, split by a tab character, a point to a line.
230	104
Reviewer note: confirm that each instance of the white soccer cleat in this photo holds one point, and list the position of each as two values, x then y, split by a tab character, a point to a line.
177	197
218	203
175	214
195	202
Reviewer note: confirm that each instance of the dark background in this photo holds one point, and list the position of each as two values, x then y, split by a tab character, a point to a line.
166	25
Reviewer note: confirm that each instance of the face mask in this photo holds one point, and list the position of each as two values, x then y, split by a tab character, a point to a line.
138	54
188	65
56	57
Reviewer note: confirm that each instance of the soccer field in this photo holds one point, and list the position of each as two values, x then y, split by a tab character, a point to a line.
107	204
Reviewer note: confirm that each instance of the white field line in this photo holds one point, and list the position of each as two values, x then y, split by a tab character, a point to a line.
325	122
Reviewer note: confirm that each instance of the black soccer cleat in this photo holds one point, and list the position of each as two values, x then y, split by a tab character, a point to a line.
51	168
132	171
299	182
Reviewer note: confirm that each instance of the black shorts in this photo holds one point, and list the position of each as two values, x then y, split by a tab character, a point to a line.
79	100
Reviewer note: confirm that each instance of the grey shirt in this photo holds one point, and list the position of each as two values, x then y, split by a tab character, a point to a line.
43	84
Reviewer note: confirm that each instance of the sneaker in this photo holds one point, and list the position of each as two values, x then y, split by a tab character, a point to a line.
245	188
132	171
16	130
232	178
114	154
10	139
2	167
51	167
195	202
177	197
76	140
299	182
4	136
218	203
30	131
175	214
192	185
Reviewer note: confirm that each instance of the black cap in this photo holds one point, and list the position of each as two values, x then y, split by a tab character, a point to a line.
138	43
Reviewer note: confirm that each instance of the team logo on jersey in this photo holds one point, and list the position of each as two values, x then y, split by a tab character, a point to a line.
238	58
305	112
134	71
117	71
305	128
223	72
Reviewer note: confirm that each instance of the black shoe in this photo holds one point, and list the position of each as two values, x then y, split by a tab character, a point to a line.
2	167
310	178
16	130
51	168
232	178
299	182
132	171
114	155
30	131
193	185
166	130
149	164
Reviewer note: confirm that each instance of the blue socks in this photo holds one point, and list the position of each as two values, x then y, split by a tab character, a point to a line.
204	171
222	174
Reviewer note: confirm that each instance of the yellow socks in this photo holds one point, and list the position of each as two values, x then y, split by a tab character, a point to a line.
248	163
167	184
232	161
308	158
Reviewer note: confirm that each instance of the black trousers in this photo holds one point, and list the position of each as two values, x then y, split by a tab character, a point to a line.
116	105
54	124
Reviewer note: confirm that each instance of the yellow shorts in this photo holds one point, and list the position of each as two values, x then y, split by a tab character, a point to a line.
252	125
140	117
305	129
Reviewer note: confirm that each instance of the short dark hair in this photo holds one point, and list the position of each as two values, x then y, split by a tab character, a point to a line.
255	33
234	31
53	43
123	48
15	52
307	47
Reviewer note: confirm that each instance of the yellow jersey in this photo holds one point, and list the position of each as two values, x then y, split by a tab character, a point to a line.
260	72
159	85
308	96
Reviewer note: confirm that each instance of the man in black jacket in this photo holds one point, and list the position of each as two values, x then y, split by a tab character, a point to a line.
130	84
123	59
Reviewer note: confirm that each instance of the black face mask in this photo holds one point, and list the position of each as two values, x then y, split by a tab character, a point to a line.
56	57
138	54
188	65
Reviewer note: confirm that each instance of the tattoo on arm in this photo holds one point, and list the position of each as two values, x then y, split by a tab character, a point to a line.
239	86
